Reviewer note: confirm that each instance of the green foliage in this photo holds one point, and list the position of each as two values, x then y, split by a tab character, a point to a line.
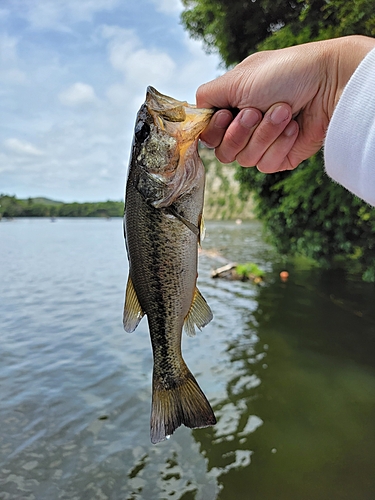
237	28
323	20
234	28
349	18
11	207
249	269
303	211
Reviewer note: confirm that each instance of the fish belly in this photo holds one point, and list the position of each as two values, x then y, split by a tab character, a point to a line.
162	252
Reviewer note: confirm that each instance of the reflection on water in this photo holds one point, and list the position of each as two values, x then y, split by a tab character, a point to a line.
288	367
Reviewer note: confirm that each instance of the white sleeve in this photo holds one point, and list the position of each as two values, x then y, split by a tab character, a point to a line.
349	150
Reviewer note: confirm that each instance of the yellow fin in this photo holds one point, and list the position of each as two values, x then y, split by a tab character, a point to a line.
202	230
133	312
176	402
199	314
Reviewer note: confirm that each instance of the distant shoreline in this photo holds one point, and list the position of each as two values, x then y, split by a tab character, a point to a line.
55	219
12	207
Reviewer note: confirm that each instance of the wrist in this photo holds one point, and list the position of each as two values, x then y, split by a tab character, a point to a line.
345	54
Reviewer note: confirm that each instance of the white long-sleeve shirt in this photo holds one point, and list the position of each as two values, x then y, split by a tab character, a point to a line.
349	150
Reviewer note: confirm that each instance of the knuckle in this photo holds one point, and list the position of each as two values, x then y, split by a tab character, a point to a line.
264	138
246	159
212	138
233	140
267	170
224	157
269	165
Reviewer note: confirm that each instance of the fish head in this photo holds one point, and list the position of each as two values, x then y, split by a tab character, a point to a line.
156	150
179	119
166	136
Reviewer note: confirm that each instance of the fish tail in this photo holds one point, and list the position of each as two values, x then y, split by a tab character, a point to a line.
178	401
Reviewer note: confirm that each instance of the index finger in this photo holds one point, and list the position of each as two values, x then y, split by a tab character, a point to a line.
214	132
214	94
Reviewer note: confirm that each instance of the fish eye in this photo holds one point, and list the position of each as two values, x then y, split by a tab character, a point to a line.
142	131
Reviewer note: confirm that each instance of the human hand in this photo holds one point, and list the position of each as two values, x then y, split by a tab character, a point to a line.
252	139
304	82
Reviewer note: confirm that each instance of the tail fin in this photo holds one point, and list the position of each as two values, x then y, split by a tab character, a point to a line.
176	402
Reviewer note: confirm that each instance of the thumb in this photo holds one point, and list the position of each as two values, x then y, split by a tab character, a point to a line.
304	148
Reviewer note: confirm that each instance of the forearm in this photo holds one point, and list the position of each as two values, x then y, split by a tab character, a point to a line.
350	141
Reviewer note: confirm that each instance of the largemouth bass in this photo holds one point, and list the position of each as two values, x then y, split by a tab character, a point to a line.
163	227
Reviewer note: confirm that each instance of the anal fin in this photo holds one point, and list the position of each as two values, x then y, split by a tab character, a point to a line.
133	312
199	314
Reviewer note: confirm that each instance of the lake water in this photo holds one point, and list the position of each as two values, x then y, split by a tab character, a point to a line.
289	369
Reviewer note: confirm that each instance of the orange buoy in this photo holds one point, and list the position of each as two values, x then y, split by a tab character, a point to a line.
284	275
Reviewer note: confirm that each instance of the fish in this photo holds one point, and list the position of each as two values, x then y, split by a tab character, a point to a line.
163	226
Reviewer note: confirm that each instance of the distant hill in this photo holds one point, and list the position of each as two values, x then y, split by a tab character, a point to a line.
222	200
43	201
11	207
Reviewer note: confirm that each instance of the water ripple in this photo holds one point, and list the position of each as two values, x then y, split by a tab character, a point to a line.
76	389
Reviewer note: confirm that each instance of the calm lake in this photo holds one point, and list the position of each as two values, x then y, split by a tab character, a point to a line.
289	369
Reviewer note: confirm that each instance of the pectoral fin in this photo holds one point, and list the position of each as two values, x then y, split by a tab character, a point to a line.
202	230
172	210
133	312
199	314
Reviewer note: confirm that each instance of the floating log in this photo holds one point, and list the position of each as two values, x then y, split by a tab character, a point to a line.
230	272
224	271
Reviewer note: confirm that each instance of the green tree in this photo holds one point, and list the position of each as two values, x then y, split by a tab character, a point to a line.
303	211
11	207
236	28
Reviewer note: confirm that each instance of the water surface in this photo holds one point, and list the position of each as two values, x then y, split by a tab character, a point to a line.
288	367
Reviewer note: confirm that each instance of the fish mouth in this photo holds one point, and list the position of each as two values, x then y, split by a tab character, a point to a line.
172	114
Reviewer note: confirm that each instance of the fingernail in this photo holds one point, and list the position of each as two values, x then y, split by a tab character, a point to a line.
222	120
249	118
208	146
279	115
291	129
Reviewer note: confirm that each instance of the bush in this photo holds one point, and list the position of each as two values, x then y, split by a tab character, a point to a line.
306	213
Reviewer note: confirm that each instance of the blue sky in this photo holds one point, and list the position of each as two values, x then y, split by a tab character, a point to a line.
72	77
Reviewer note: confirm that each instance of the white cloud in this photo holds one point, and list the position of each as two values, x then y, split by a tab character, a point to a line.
83	88
198	68
122	44
150	66
168	6
177	72
60	14
77	94
22	147
139	65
